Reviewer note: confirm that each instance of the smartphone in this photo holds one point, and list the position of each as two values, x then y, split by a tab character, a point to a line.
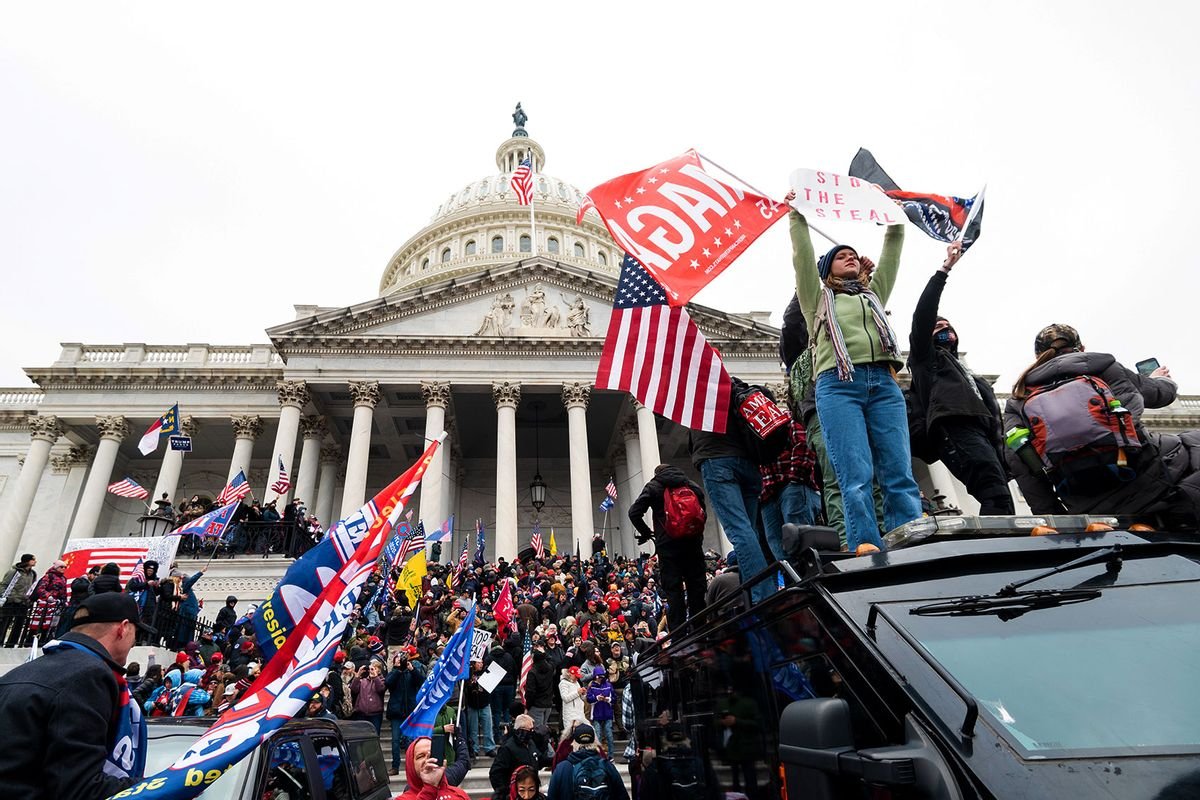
1147	366
437	748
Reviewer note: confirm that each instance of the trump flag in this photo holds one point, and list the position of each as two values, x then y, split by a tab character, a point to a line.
680	222
451	667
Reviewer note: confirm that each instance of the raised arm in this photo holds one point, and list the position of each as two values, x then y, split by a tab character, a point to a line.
920	339
804	262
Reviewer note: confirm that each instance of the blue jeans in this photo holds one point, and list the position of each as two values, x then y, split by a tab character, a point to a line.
480	718
604	735
400	743
502	698
795	503
733	485
866	434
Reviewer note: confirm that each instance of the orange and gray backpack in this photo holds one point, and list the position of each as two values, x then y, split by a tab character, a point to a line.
1086	439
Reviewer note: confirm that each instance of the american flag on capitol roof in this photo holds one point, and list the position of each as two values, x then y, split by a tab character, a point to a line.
522	182
656	353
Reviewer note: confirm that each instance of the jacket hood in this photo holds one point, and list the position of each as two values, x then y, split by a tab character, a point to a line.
671	476
410	767
1070	365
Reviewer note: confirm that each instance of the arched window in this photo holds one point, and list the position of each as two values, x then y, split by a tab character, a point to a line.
552	245
497	244
425	265
445	255
526	243
603	258
579	252
470	248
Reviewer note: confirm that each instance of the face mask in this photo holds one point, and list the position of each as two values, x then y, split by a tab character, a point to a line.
942	337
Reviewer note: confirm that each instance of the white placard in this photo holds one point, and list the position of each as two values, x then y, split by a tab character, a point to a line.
492	676
829	196
480	644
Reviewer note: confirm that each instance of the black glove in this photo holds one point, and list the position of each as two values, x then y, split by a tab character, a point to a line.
642	538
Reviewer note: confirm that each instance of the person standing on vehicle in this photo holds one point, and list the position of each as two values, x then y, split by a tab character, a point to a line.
72	728
680	559
959	409
585	772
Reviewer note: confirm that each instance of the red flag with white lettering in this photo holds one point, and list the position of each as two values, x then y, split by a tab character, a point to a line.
680	222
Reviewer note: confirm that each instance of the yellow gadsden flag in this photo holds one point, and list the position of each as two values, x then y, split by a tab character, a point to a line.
553	544
410	577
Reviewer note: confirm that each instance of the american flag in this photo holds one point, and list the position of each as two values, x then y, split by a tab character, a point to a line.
139	572
611	489
526	664
129	488
238	488
535	541
412	543
657	354
282	483
462	565
522	182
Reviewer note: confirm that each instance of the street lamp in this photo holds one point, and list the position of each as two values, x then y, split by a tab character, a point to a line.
537	487
154	525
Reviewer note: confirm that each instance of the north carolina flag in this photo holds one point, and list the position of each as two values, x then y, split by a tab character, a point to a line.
167	423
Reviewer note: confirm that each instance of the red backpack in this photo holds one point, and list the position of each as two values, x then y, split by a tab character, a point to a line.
682	512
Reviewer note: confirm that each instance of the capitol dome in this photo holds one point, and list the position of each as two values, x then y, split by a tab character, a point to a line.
482	225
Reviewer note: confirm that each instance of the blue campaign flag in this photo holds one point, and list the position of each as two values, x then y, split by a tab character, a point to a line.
606	504
211	525
453	666
392	548
480	545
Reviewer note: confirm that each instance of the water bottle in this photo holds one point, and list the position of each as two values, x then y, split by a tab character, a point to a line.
1019	441
1123	418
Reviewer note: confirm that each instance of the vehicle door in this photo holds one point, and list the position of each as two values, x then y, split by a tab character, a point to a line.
343	775
291	770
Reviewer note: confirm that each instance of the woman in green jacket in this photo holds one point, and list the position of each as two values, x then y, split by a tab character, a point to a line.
858	399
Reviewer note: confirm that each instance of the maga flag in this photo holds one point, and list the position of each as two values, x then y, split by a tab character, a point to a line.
303	581
942	217
296	670
683	224
453	665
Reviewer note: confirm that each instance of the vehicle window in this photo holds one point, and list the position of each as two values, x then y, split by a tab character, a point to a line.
1114	675
332	762
367	764
162	751
287	772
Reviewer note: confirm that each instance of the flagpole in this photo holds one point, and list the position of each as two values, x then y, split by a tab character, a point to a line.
764	194
532	229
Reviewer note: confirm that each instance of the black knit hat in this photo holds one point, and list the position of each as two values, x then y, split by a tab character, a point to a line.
826	262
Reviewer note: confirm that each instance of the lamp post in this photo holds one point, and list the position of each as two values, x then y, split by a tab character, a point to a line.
154	525
537	487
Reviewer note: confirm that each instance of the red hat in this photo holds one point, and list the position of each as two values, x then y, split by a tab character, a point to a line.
339	656
247	646
181	657
216	658
373	640
412	651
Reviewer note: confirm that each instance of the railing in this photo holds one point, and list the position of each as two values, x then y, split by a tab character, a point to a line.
19	625
20	397
261	539
198	355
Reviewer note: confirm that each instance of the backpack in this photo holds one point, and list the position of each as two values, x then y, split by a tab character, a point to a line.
764	426
1087	441
680	778
682	512
590	779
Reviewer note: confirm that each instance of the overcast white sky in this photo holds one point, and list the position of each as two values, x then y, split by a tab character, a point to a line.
185	173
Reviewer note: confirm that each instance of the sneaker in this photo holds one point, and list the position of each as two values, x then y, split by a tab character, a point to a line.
393	771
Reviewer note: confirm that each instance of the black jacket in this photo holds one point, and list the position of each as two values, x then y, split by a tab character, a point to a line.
511	754
542	684
941	386
704	445
652	498
59	710
1162	463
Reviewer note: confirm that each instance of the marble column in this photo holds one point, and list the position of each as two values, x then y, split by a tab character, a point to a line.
507	397
366	396
293	396
433	498
583	525
113	431
48	545
331	459
624	499
313	430
647	439
246	429
637	474
172	465
43	433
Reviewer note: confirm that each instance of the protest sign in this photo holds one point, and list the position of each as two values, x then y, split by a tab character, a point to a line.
829	196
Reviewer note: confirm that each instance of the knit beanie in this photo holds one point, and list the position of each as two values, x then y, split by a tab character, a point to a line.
826	262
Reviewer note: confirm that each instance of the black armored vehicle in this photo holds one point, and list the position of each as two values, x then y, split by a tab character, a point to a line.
1026	657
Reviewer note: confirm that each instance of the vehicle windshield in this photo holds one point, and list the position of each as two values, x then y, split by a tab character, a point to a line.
1113	676
165	747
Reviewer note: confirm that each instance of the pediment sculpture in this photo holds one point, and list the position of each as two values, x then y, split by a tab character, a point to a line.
536	315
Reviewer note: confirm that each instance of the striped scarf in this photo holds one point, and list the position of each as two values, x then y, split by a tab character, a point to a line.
828	316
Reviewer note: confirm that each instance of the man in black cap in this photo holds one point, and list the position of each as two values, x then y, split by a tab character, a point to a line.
586	772
78	732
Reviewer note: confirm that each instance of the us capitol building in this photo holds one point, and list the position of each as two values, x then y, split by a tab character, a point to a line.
469	332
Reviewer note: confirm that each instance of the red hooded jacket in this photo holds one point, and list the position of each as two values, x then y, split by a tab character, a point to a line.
417	790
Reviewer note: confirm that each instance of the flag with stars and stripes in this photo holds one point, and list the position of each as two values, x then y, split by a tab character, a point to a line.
535	541
128	488
522	182
526	665
462	565
282	481
698	225
412	543
238	488
657	354
610	489
139	572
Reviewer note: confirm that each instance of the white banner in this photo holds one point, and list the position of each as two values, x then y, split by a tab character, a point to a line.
480	644
492	676
82	554
826	195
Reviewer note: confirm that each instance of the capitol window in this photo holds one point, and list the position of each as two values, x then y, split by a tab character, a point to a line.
579	252
497	244
526	243
470	248
445	255
603	258
425	264
552	245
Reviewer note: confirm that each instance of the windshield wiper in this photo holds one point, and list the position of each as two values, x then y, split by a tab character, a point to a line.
1009	603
